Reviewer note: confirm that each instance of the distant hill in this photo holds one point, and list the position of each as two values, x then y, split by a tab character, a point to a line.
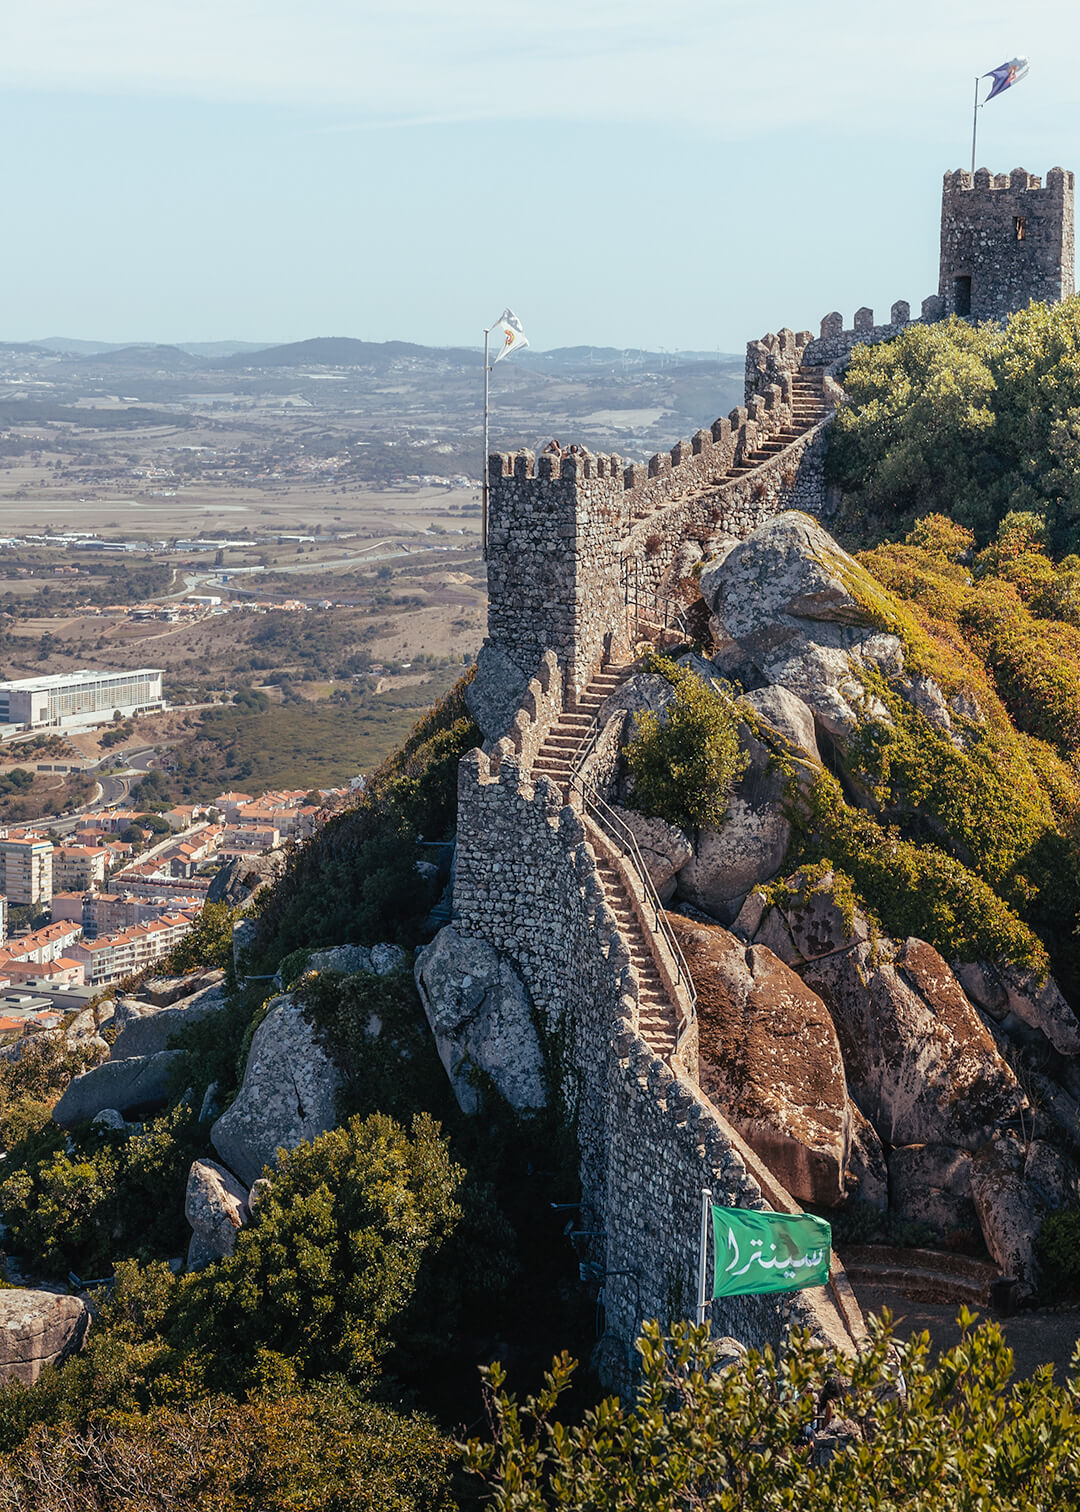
345	351
348	351
72	346
151	358
220	348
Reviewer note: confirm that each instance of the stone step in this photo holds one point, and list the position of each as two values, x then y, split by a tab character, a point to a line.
917	1284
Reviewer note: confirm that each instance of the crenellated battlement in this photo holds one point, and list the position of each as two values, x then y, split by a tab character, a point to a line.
1058	180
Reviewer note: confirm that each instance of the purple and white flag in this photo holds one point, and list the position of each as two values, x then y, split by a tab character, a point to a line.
1005	76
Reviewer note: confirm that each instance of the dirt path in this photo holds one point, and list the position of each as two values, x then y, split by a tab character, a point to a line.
1036	1338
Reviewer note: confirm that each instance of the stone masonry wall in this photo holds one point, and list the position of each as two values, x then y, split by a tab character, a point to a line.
1006	239
649	1140
832	348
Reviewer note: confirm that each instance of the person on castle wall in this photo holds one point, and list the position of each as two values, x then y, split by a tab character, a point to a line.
552	448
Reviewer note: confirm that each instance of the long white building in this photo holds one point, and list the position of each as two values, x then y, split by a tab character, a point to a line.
80	698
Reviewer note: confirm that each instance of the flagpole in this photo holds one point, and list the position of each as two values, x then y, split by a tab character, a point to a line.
702	1301
974	125
484	491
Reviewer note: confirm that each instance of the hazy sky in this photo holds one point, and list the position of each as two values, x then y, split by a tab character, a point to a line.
677	174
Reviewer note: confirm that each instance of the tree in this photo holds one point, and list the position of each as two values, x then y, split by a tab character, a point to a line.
331	1257
954	1435
325	1450
208	943
685	766
973	421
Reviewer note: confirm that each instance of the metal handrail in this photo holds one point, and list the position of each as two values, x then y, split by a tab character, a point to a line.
622	836
637	597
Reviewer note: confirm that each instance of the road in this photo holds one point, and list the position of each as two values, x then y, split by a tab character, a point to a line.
114	789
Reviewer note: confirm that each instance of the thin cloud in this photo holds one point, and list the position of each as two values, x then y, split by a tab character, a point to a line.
726	69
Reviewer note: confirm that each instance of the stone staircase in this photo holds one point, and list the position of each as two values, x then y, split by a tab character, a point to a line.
558	759
921	1275
657	1020
558	756
807	408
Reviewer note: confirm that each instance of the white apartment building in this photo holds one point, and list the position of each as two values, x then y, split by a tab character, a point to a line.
108	958
80	698
77	868
27	864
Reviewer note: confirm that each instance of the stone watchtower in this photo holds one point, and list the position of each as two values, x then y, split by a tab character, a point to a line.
1006	239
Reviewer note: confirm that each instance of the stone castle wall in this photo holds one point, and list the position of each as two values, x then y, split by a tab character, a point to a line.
568	536
649	1140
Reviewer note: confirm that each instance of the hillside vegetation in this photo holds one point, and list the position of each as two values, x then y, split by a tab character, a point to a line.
970	421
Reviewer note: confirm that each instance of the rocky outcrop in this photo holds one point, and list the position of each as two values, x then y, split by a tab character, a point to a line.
919	1060
244	876
163	992
495	693
770	1060
84	1031
644	691
727	863
931	1184
351	959
789	596
139	1085
788	716
127	1009
1014	1188
149	1033
38	1328
288	1094
867	1174
481	1016
750	846
216	1206
1015	998
664	849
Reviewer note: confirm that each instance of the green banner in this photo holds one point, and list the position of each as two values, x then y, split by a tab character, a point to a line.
768	1252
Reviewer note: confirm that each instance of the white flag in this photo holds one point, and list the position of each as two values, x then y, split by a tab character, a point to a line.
513	335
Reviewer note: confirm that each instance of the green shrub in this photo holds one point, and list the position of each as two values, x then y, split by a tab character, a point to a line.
208	944
1058	1247
330	1259
30	1086
686	766
914	889
114	1195
959	1434
974	422
355	883
322	1451
375	1029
